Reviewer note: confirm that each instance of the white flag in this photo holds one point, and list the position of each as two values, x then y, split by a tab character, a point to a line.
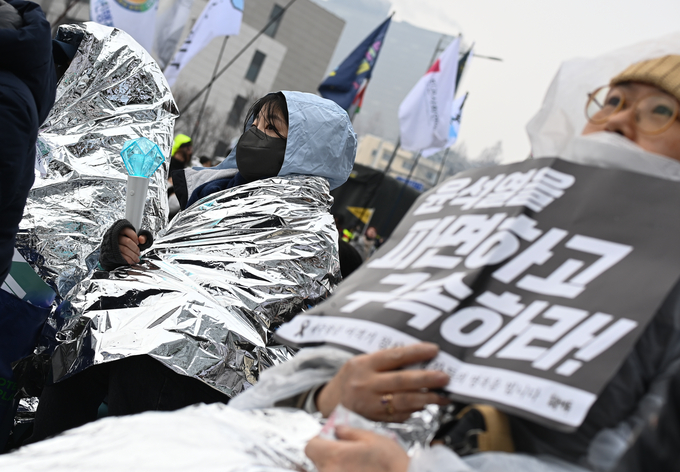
169	28
454	127
136	17
425	113
219	18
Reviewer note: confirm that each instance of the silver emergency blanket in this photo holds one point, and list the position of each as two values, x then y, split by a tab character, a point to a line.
202	437
221	438
112	91
208	294
413	435
26	410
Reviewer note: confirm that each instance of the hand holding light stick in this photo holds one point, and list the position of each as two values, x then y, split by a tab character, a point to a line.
142	158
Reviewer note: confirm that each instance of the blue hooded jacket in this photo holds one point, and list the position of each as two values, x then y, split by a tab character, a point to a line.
321	142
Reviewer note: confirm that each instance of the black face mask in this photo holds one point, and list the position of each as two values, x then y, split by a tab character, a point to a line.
259	156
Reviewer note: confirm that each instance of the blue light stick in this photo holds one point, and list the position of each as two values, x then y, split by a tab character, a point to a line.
142	158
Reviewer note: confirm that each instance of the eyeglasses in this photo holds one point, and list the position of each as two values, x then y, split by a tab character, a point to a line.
654	113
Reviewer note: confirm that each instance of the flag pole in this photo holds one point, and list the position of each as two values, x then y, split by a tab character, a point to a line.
238	54
441	168
462	62
489	58
362	90
436	51
197	125
394	153
396	148
357	68
366	225
410	173
401	192
446	153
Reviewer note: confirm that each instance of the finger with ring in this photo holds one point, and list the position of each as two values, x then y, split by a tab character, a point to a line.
386	402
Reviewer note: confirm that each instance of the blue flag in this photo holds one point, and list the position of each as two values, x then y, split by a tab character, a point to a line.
344	82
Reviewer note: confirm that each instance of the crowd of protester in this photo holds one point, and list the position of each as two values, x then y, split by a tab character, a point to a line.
642	105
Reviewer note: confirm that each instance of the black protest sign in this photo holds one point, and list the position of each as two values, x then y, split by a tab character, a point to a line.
535	279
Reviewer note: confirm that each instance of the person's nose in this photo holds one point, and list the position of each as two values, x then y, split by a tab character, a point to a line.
624	123
259	124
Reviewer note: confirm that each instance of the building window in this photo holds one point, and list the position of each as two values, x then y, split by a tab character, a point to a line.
234	118
255	66
272	28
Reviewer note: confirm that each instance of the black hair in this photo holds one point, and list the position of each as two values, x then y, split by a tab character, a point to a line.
270	103
204	159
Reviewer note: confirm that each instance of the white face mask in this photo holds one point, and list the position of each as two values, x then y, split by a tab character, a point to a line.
611	150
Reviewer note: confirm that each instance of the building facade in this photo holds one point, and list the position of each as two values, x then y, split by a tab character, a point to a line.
293	53
377	153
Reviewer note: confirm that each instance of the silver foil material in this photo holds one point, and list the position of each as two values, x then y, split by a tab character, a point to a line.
413	435
26	410
210	291
201	437
417	432
112	91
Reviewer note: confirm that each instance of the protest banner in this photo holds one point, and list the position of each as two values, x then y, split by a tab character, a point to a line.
535	279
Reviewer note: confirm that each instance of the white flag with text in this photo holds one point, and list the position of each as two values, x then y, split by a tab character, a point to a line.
425	113
169	29
219	18
454	127
136	17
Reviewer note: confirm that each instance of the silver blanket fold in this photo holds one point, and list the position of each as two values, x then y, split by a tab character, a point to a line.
112	91
209	293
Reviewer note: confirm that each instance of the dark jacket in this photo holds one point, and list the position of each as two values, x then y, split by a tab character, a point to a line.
632	396
27	92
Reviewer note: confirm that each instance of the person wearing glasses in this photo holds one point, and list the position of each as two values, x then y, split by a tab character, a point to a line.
639	110
641	104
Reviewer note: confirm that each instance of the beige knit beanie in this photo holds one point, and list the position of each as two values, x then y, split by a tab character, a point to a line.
662	72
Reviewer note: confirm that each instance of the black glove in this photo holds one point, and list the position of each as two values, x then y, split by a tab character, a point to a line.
109	254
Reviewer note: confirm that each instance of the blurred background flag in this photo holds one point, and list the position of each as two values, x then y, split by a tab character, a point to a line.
425	113
344	83
364	214
219	18
454	128
135	17
462	62
457	108
169	28
358	101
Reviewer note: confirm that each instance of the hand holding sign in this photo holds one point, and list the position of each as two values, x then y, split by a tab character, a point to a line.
364	381
535	279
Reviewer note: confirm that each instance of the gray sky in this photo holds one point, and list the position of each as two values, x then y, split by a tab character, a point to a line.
532	36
